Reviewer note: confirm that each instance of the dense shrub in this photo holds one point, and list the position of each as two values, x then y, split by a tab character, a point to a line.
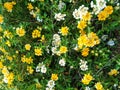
59	44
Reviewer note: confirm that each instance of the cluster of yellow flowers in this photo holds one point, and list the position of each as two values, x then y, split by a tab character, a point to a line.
9	5
108	10
60	46
89	40
30	70
29	60
8	76
113	72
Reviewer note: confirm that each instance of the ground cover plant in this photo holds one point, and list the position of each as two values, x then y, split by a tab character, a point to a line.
59	45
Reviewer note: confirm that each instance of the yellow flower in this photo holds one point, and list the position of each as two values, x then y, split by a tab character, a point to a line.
86	79
38	51
63	49
10	78
99	86
87	17
82	41
9	6
36	33
29	60
64	31
7	34
8	43
85	52
27	46
54	77
81	25
30	70
42	38
108	9
20	31
1	19
30	7
102	16
9	58
113	72
92	40
1	65
23	59
82	32
5	71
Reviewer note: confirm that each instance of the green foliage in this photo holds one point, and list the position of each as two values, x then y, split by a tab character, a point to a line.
32	66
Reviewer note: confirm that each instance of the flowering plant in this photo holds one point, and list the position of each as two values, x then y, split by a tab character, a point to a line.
59	44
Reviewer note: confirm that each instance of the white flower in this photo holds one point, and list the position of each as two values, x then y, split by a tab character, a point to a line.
56	43
37	69
56	36
43	69
101	4
59	16
83	65
49	88
54	50
38	19
62	62
104	37
47	49
111	43
71	67
51	84
61	5
82	62
78	14
5	80
96	10
87	88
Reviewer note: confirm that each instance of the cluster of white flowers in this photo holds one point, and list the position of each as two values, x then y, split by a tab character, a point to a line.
50	85
41	68
61	5
83	65
100	4
55	43
80	12
62	62
59	16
